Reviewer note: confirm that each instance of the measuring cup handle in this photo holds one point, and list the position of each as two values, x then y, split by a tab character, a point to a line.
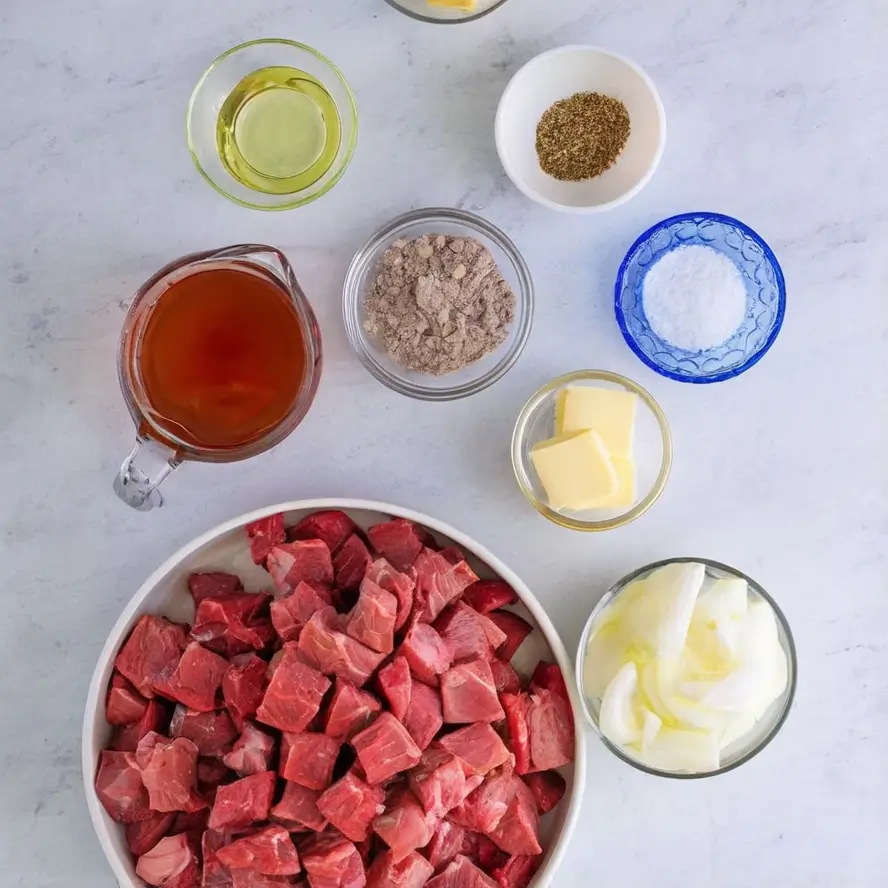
142	473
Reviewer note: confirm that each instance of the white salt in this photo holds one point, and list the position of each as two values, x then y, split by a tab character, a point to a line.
694	298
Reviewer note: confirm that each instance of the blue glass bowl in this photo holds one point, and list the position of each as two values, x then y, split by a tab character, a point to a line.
765	297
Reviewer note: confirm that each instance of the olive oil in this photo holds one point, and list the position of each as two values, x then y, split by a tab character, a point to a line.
278	131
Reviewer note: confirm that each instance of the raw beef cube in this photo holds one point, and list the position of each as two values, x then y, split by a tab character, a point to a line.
404	826
461	873
469	695
399	584
171	861
547	676
169	772
516	706
211	732
350	563
350	711
124	704
505	678
308	759
518	829
120	788
426	652
294	693
192	822
350	805
143	835
150	654
385	748
438	583
372	620
270	851
439	781
547	787
489	595
263	534
290	613
471	844
215	875
424	716
303	560
398	541
487	855
453	554
212	585
551	730
331	526
211	774
243	687
396	685
243	802
478	747
252	752
445	845
231	624
126	737
196	678
250	878
486	806
331	861
298	808
515	628
325	646
468	634
517	871
413	871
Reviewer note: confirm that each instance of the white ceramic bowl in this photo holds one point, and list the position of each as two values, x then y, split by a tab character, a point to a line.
558	74
225	548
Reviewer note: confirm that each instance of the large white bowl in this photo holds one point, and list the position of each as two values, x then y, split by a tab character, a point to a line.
558	74
225	548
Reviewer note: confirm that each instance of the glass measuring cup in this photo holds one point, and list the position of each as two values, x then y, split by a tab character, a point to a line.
164	440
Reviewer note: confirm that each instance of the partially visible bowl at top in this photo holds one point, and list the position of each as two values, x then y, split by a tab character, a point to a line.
372	354
423	11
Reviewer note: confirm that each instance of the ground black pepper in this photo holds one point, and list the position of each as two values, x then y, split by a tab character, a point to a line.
582	136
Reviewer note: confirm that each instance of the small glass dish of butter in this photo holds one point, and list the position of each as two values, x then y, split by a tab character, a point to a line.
592	450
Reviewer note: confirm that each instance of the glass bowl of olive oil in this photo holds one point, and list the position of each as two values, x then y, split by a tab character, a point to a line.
272	124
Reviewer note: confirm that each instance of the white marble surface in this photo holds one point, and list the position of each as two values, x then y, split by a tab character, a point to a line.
776	115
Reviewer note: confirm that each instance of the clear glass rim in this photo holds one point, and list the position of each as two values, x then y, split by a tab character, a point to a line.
296	201
521	430
790	649
351	304
419	17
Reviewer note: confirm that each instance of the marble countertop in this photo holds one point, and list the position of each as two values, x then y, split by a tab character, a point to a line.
776	115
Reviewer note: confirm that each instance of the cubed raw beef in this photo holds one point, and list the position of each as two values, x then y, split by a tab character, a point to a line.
399	584
489	595
518	829
461	873
212	771
143	835
298	808
294	693
270	851
328	649
350	563
446	843
438	583
487	855
424	716
150	654
469	694
233	624
252	751
214	875
478	747
124	704
196	678
192	822
331	526
396	684
126	737
372	621
505	678
302	560
468	634
517	871
547	676
453	554
120	788
515	706
243	802
515	628
385	748
551	731
350	710
169	772
426	652
212	585
439	781
413	871
471	844
404	826
243	687
486	806
211	732
398	541
249	878
333	862
547	787
290	613
308	759
263	534
350	805
171	861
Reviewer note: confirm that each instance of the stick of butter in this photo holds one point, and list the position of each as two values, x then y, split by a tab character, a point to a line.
611	412
576	470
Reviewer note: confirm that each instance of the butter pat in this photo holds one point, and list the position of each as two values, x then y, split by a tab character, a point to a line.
624	496
465	5
611	412
575	470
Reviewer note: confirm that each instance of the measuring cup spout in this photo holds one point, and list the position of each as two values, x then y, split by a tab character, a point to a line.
142	472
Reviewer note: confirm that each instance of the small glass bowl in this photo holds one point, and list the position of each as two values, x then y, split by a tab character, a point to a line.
767	726
653	451
216	84
765	297
423	11
474	378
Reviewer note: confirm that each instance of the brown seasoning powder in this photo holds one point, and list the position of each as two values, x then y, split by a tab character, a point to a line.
582	136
